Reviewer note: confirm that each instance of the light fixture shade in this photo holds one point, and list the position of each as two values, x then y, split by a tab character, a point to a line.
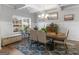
41	15
46	16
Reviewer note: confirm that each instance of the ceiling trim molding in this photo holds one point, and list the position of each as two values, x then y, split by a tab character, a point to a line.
67	6
8	6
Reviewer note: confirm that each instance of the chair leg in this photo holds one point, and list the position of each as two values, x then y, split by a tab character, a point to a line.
54	45
66	48
45	48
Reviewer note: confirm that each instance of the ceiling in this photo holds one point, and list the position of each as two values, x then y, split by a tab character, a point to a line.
35	7
15	6
39	7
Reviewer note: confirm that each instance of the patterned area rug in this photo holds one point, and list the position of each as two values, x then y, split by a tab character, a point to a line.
29	47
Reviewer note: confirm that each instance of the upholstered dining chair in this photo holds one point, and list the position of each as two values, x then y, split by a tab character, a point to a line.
64	41
33	38
33	35
42	38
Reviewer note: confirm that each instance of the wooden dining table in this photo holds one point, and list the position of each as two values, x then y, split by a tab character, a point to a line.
58	36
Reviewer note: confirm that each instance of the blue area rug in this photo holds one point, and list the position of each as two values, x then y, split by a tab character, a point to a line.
29	47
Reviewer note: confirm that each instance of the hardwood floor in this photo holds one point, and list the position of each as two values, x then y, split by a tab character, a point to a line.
8	50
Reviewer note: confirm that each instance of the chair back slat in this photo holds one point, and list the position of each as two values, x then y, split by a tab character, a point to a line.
42	37
33	35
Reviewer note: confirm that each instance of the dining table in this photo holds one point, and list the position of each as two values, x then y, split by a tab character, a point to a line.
56	36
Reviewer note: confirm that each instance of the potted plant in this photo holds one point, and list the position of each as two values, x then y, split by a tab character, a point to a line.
44	29
53	27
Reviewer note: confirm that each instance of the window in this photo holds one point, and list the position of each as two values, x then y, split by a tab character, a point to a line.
19	23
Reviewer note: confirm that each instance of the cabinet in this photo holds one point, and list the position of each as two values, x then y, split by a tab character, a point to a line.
10	39
17	24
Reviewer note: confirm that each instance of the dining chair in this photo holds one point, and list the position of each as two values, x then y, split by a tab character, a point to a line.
42	38
64	41
33	35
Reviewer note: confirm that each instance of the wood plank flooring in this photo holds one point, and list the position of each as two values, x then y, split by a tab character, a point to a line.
9	50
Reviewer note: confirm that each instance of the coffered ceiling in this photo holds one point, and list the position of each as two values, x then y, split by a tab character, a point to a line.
15	6
35	7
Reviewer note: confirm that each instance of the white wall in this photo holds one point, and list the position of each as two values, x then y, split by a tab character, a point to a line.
6	13
73	26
